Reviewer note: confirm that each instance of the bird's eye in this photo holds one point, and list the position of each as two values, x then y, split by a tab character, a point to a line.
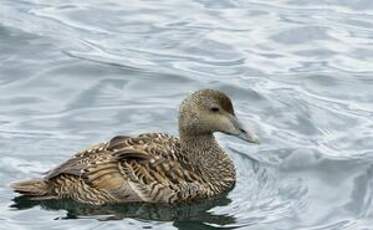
215	109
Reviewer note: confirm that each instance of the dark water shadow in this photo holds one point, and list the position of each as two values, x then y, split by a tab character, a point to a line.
184	216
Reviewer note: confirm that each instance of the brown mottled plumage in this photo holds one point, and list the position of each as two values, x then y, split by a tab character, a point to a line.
153	167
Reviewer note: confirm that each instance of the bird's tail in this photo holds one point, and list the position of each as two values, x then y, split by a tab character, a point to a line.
32	188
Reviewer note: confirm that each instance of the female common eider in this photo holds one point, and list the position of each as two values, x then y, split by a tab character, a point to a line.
152	167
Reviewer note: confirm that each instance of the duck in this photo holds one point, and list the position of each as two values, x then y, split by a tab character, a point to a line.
152	167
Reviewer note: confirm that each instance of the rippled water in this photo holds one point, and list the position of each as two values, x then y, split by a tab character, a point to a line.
73	73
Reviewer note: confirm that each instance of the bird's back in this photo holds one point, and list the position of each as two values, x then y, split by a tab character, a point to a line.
147	168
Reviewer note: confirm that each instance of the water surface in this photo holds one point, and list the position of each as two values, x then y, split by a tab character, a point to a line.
74	73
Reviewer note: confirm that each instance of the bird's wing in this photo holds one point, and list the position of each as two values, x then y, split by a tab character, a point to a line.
118	148
143	168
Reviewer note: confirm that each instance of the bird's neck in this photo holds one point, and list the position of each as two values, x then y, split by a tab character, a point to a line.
209	159
201	148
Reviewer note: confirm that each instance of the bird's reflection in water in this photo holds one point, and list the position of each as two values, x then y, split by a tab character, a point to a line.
184	216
